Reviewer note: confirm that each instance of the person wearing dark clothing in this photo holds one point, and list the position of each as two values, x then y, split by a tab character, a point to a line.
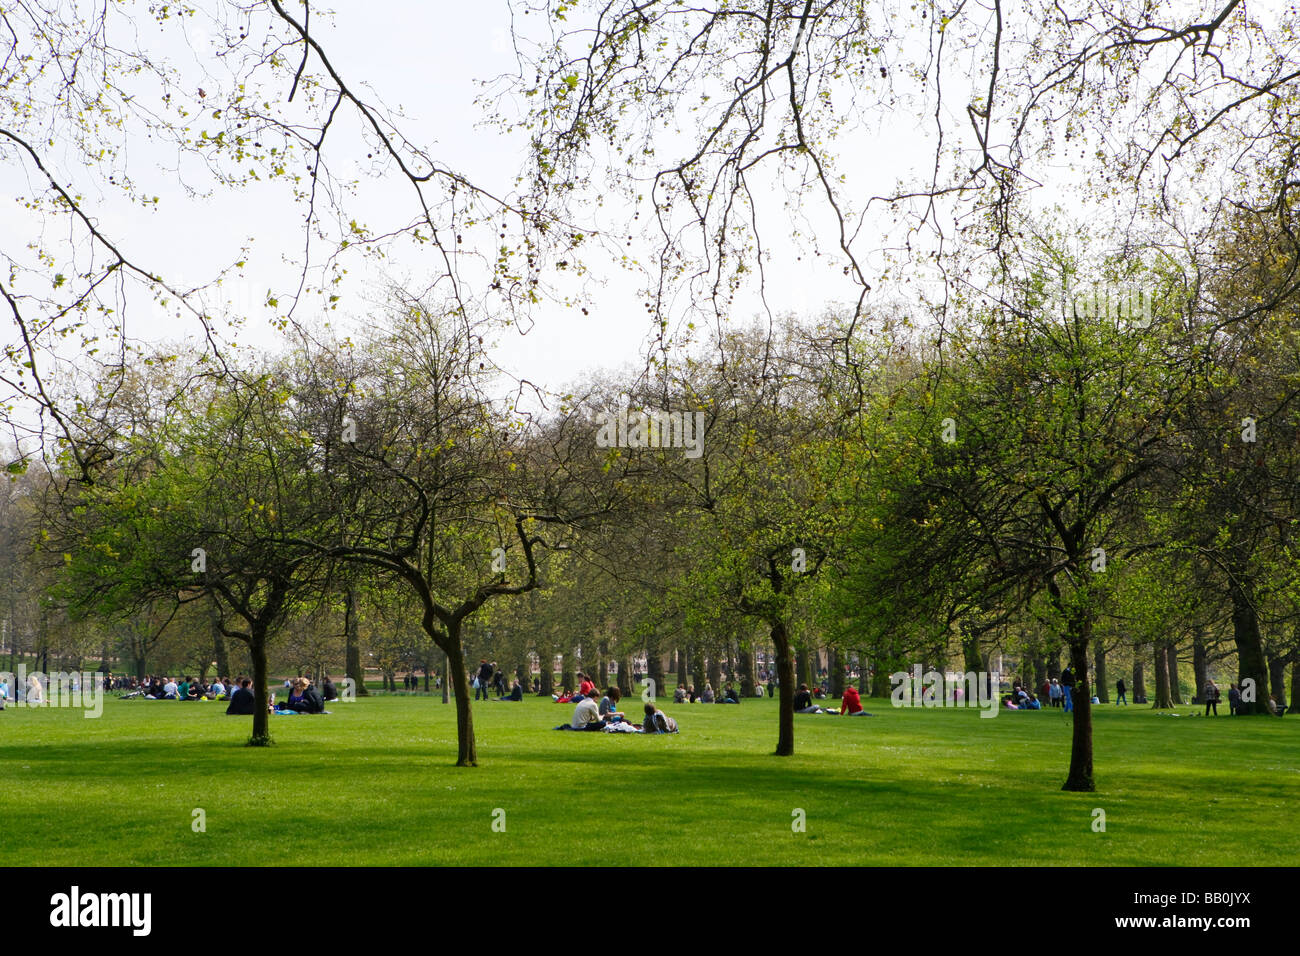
1121	690
242	701
516	693
484	680
328	691
1067	688
1211	698
304	698
1234	700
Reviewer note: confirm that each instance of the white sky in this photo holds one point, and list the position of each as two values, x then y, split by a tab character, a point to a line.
423	59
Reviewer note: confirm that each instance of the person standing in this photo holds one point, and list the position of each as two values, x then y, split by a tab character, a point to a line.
1067	689
484	679
1211	697
1121	691
1234	700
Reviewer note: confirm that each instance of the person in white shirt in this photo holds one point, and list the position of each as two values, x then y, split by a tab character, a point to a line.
170	690
217	689
586	716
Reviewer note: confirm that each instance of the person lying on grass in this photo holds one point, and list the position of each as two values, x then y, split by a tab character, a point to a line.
657	722
607	705
586	716
563	697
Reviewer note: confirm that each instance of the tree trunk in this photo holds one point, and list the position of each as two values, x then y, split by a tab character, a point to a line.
1099	672
1080	776
785	675
715	672
1040	673
880	686
746	672
602	666
219	645
1161	668
446	678
1175	685
836	662
1295	678
261	693
699	674
466	752
1139	675
352	666
1200	666
1054	664
546	665
1276	679
567	679
654	662
1251	665
625	677
802	675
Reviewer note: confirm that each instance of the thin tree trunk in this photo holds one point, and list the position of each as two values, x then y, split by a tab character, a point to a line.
1276	679
1099	670
1161	668
785	675
625	677
1200	666
1139	675
352	666
1080	778
466	752
1175	685
446	678
261	693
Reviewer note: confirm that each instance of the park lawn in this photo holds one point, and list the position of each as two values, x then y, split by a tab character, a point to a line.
374	784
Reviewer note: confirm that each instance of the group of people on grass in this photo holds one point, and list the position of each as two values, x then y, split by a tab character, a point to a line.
686	694
850	703
605	715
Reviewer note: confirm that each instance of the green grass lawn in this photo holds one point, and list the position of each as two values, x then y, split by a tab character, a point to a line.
374	784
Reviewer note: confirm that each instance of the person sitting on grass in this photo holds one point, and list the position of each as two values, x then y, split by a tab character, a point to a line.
608	703
691	695
707	696
803	702
851	703
516	692
217	690
242	701
564	696
657	722
586	716
303	698
729	696
1274	708
328	691
679	695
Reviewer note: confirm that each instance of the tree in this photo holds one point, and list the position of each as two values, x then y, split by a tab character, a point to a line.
206	505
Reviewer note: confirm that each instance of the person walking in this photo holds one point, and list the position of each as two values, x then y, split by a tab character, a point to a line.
1121	691
1211	697
484	680
1067	689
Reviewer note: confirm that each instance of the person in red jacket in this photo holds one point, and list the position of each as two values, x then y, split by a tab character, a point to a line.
850	703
